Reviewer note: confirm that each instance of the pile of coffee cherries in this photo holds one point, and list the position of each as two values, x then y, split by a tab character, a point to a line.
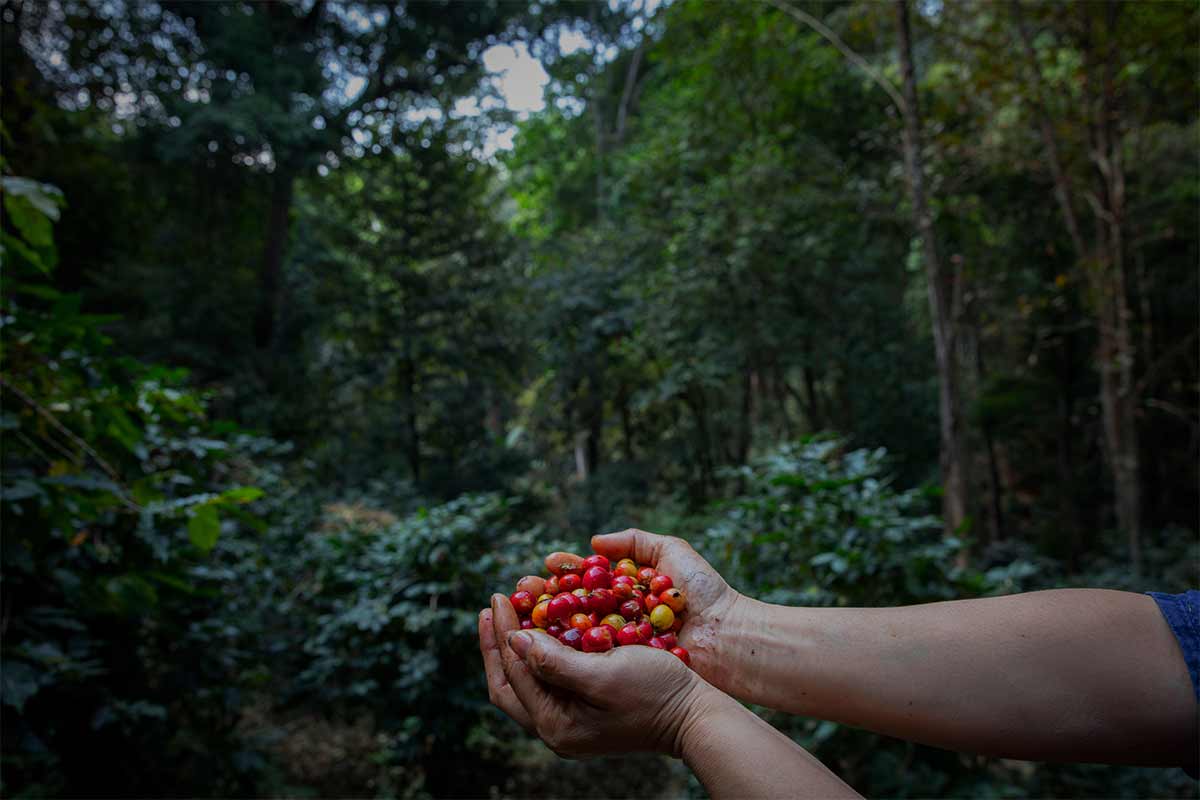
593	606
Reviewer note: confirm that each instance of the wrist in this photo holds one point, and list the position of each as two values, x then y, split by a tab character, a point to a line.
706	708
739	648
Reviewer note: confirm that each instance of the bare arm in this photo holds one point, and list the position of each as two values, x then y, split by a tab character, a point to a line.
1064	675
737	755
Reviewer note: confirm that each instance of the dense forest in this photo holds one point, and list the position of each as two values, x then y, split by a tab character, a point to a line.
311	341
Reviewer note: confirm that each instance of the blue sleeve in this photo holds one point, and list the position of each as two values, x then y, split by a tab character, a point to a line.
1182	612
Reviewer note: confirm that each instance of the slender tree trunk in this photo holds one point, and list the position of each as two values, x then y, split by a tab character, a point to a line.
995	512
813	408
695	401
410	411
1119	399
1068	516
953	455
270	283
626	426
746	428
598	116
595	429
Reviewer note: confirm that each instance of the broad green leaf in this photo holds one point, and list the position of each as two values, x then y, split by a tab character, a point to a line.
242	494
204	528
44	197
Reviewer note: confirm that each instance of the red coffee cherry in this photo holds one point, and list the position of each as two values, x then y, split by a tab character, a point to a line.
572	637
646	574
598	640
562	607
569	582
630	610
523	602
595	561
602	600
675	599
682	654
660	583
597	578
629	635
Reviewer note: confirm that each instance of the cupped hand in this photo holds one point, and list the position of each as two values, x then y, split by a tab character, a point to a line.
712	604
628	699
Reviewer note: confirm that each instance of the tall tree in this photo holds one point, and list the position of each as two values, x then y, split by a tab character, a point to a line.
941	282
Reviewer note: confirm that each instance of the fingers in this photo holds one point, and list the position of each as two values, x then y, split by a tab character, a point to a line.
555	561
499	691
555	663
523	684
642	546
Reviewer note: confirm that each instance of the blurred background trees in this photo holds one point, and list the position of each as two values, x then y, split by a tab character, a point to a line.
301	361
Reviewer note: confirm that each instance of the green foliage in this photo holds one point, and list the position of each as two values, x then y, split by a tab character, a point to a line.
352	599
818	524
115	487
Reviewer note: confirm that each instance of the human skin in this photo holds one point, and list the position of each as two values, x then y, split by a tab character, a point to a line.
1064	675
641	699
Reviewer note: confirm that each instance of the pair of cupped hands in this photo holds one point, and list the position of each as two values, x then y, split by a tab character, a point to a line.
628	698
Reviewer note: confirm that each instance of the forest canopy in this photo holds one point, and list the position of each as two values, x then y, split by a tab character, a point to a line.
311	340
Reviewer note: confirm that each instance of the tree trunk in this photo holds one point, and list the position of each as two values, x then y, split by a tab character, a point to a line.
270	282
995	508
1118	388
813	408
953	446
410	411
746	428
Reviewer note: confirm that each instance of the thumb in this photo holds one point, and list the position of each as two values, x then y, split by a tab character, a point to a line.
642	546
554	662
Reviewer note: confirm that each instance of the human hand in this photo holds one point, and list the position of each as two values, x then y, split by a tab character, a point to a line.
583	704
713	606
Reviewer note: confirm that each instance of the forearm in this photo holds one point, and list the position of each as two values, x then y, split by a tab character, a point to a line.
737	755
1086	675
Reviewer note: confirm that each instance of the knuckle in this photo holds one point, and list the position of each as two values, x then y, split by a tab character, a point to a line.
540	663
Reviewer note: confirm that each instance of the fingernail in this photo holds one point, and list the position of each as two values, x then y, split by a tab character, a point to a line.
497	597
520	641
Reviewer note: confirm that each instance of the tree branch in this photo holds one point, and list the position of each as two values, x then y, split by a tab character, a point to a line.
854	58
46	414
631	78
1062	183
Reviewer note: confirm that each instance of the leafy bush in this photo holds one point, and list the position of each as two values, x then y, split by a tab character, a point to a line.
114	490
365	615
820	525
